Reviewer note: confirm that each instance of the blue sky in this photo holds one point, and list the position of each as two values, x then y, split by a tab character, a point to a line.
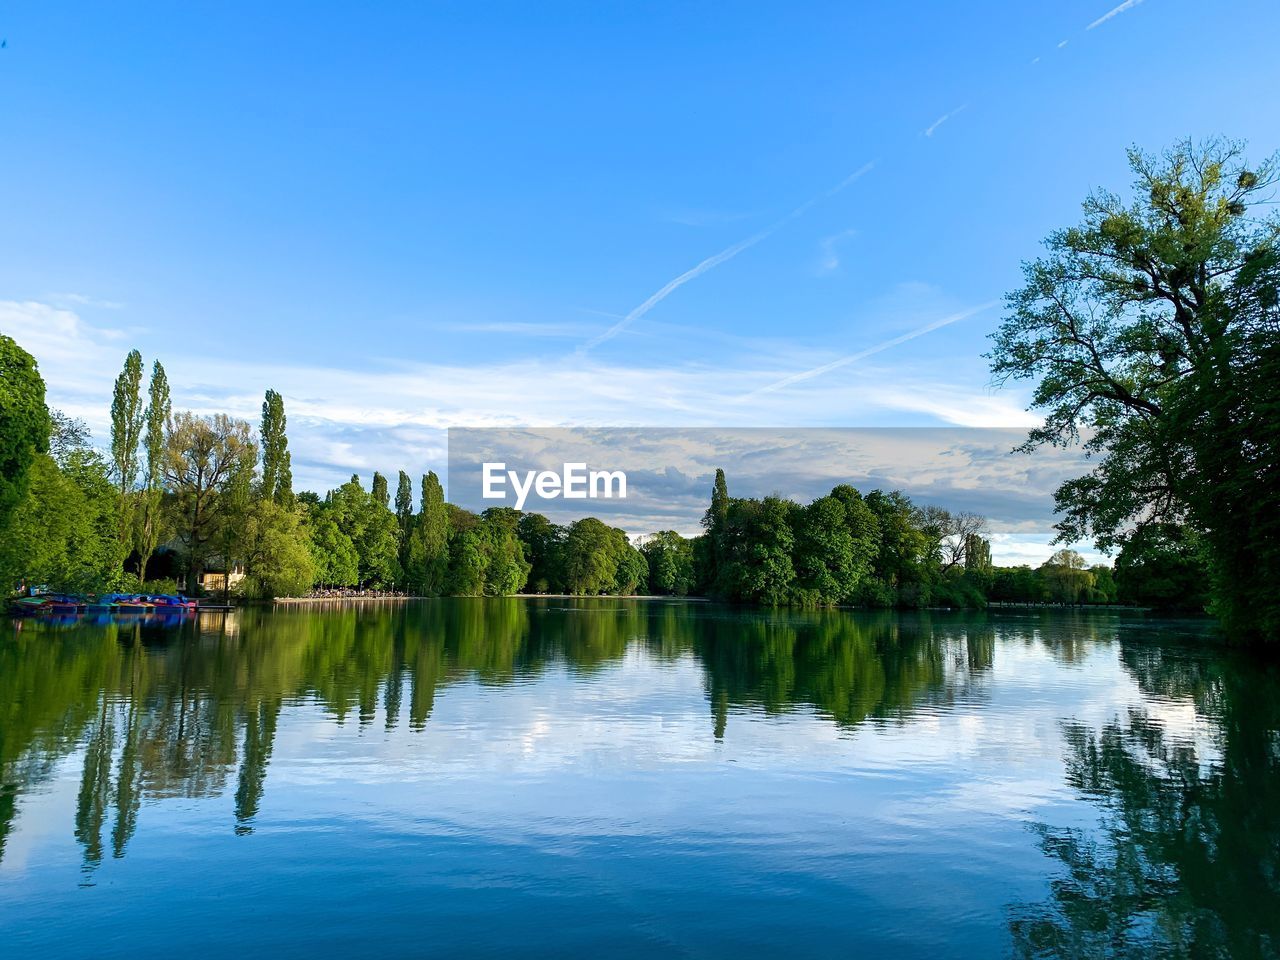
407	217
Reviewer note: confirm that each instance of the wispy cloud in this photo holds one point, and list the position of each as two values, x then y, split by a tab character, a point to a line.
83	300
714	261
1062	43
929	130
512	328
704	218
365	414
829	254
1114	12
870	351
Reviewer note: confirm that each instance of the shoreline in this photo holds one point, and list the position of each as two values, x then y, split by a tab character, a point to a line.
990	606
520	596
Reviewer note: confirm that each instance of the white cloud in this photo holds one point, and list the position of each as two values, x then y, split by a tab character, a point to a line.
511	328
83	300
829	258
392	414
670	470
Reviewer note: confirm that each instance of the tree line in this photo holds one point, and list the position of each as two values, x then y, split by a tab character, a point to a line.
176	494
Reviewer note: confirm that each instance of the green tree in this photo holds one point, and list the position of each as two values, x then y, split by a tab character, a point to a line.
334	560
590	557
204	457
468	556
127	415
977	554
1016	585
1163	566
372	530
66	435
427	561
1067	577
24	423
151	500
381	494
404	505
714	523
1151	331
236	503
670	561
900	571
506	569
276	551
543	542
1104	584
65	534
631	572
277	468
949	533
758	547
830	565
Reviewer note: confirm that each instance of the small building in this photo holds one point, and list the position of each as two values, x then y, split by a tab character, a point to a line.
215	581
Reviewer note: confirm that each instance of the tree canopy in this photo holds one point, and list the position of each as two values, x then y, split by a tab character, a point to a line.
1151	333
24	422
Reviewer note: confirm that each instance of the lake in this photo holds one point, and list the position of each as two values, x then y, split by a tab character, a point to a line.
548	777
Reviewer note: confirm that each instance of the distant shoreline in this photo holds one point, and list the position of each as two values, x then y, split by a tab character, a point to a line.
525	596
991	605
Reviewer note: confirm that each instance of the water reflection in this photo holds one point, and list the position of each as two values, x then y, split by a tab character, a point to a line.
1186	857
1180	852
191	710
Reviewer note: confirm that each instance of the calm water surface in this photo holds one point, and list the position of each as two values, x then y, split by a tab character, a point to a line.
635	778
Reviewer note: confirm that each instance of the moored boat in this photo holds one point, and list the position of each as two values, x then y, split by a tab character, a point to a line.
58	604
47	603
166	601
29	606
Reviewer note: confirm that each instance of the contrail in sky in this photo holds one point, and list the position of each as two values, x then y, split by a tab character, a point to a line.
1114	12
715	260
863	354
730	252
928	131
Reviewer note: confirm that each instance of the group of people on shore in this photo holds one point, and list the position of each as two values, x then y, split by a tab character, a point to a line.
352	593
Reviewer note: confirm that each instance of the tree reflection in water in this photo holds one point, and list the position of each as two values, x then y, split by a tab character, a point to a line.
188	711
1185	861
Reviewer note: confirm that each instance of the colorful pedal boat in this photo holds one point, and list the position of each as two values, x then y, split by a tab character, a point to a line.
112	603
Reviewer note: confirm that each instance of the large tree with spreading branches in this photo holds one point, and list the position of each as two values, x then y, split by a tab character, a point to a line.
1152	333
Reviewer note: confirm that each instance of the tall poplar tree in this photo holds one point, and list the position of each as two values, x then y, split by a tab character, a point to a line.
381	494
714	521
126	432
404	514
159	408
404	501
126	422
277	472
427	557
